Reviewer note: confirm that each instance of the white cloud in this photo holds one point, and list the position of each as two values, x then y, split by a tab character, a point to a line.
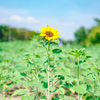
19	19
16	18
30	19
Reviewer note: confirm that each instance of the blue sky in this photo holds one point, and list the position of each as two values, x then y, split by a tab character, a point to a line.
65	15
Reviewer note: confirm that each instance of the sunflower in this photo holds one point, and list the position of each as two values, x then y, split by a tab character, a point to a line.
49	33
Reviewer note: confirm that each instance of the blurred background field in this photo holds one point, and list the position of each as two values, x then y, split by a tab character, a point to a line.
17	59
21	47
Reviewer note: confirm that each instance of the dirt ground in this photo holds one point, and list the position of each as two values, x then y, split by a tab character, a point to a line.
13	98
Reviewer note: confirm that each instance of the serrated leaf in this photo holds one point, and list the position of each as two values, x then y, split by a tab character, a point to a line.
20	92
98	63
81	89
31	97
63	71
33	82
22	68
56	41
90	77
52	89
40	88
24	97
68	98
84	65
24	74
61	90
56	51
43	97
97	93
37	61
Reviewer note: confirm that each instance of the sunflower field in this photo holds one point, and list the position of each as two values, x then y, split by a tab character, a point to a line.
40	69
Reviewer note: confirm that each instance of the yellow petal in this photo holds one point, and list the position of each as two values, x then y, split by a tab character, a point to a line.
48	28
43	30
42	35
55	30
56	33
55	37
49	39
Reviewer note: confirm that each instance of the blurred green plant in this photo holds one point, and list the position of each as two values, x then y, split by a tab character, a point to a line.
80	35
7	33
26	63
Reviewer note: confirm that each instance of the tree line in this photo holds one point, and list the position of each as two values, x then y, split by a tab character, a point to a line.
87	37
84	37
9	34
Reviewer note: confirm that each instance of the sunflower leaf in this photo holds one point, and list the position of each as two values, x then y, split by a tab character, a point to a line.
56	51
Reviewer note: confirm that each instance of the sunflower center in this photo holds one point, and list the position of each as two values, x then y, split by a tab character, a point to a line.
49	34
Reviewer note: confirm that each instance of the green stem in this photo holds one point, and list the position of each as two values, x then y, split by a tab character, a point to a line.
37	96
36	93
97	98
36	77
78	75
3	91
78	69
48	66
97	90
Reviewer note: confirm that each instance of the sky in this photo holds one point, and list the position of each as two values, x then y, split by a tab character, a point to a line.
65	15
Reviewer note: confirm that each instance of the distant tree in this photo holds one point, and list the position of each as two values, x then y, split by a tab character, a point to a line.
80	35
94	35
14	33
1	33
98	21
4	32
8	33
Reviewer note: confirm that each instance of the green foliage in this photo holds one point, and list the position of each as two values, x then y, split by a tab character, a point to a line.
80	89
93	36
26	97
8	33
56	51
90	36
25	63
80	35
4	32
98	21
20	92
